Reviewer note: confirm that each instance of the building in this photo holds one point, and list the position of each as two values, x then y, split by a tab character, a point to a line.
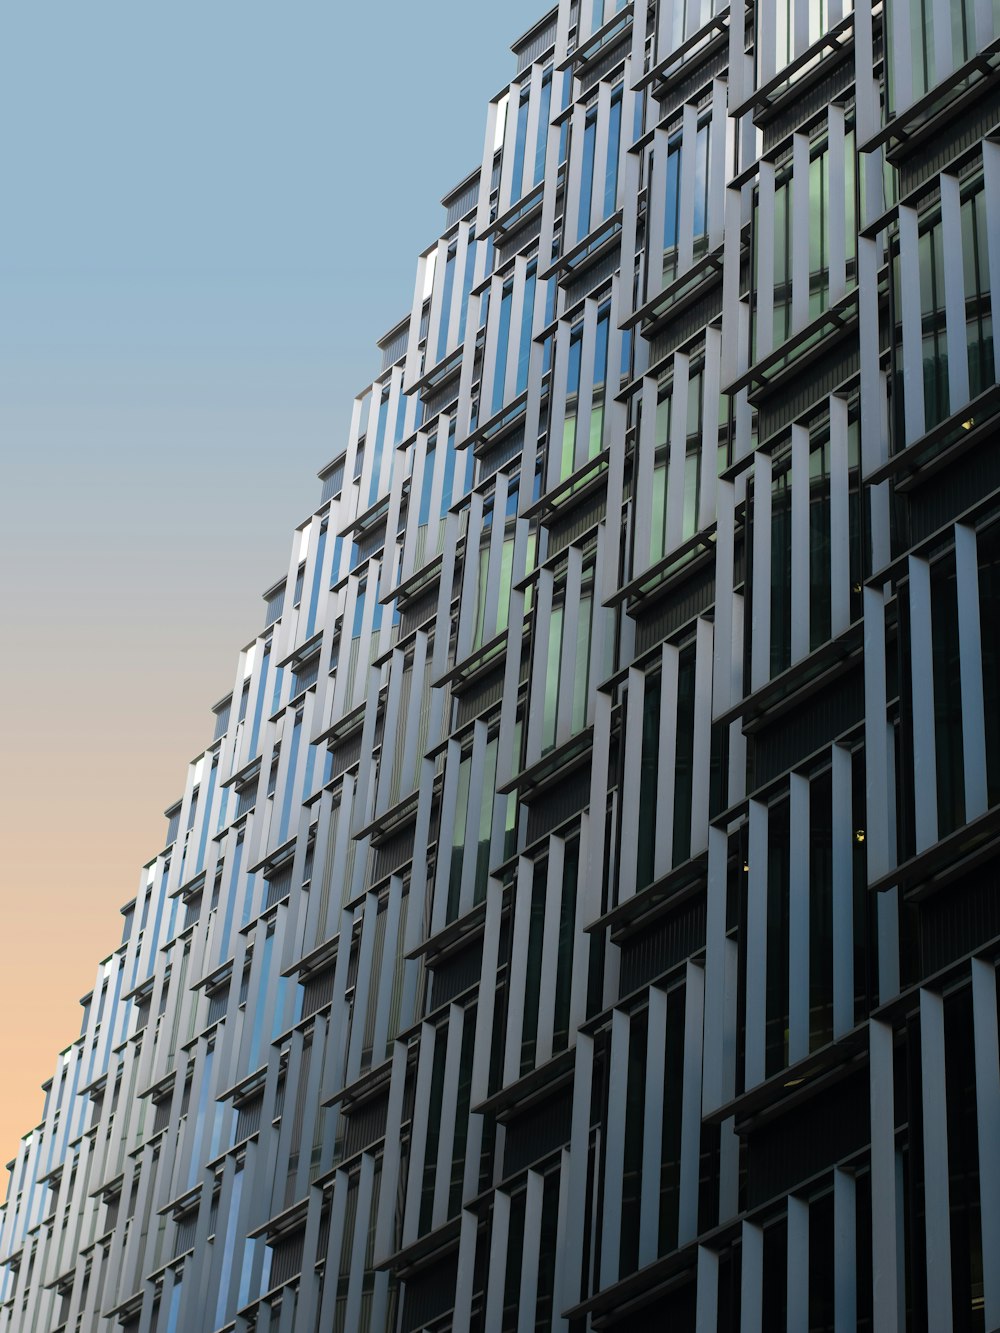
586	914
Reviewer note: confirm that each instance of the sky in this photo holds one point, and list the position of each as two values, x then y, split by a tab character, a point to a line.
210	213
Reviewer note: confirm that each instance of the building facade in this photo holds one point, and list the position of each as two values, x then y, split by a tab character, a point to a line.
586	914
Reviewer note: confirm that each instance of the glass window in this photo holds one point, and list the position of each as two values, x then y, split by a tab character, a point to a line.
671	215
544	112
661	540
978	310
446	295
557	649
520	136
947	695
383	410
524	344
467	281
776	1057
503	339
614	146
587	171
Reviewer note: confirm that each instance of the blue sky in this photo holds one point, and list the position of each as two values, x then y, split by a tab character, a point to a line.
210	212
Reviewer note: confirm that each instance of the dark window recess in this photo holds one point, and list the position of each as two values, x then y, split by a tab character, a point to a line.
247	798
286	1261
279	885
222	718
192	910
218	1003
346	754
657	948
333	482
954	489
676	1311
365	1126
437	402
323	1236
173	824
506	449
306	675
578	522
831	1126
368	544
694	596
390	855
248	1118
540	1131
566	799
951	924
428	1295
114	1207
317	991
299	580
418	612
804	730
186	1229
456	975
162	1116
275	603
483	696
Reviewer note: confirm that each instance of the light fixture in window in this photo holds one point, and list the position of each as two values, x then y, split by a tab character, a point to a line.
967	425
859	835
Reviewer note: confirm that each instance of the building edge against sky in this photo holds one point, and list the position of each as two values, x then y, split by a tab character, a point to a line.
586	912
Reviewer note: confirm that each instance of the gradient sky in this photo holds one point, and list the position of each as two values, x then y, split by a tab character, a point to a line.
210	212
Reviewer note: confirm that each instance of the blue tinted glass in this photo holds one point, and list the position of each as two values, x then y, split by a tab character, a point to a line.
317	578
517	174
449	473
230	899
544	111
424	512
524	349
293	759
383	410
359	612
307	787
701	182
258	710
670	214
573	374
259	1010
449	284
503	339
614	143
626	352
587	172
601	349
200	863
338	547
467	280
